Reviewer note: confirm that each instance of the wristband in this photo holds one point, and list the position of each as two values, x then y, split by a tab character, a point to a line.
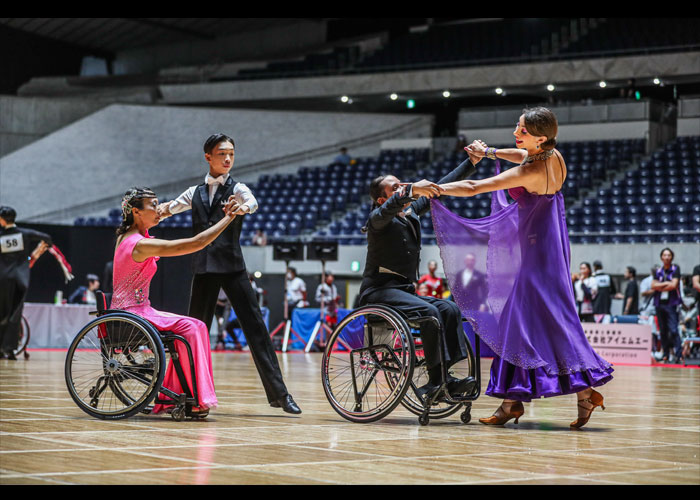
491	153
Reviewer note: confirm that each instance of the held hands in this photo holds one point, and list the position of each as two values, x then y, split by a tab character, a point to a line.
427	188
163	210
232	208
476	150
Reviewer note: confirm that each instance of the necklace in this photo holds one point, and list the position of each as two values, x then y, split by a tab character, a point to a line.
539	156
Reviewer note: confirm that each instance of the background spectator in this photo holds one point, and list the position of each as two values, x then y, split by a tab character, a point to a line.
343	157
296	291
331	299
259	238
606	289
423	290
585	289
434	283
474	283
86	294
667	298
647	293
695	282
630	299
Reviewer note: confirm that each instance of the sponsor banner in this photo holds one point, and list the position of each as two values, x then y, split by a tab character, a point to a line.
620	342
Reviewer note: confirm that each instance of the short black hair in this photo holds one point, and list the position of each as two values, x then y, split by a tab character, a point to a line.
8	213
597	264
672	254
632	271
215	139
293	269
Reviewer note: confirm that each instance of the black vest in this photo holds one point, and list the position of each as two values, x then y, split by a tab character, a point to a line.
224	254
396	247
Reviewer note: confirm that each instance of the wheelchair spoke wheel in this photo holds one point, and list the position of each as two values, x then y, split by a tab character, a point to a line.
23	339
115	366
368	364
414	403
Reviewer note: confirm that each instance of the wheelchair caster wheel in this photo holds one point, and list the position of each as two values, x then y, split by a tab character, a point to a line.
424	419
178	414
466	417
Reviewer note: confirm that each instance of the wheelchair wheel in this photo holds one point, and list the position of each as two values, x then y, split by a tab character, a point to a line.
23	339
367	365
115	366
462	369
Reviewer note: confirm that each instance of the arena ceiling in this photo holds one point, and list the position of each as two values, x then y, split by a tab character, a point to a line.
109	35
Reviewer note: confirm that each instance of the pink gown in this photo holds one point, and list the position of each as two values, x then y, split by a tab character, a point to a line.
131	285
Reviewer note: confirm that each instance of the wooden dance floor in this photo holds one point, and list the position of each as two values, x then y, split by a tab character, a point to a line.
649	434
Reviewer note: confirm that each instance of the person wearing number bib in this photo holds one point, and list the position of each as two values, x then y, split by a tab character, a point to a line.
667	298
16	245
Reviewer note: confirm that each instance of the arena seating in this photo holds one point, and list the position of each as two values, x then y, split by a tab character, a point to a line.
505	40
661	196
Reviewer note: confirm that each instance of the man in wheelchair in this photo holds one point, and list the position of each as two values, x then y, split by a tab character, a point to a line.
393	254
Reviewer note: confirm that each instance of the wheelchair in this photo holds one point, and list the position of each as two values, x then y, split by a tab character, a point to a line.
23	340
374	361
115	367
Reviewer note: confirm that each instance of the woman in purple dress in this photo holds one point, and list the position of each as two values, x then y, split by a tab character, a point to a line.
532	324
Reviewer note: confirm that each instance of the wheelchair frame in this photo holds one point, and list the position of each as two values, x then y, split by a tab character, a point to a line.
441	395
164	343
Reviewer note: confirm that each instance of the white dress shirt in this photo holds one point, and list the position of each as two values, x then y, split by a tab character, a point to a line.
241	193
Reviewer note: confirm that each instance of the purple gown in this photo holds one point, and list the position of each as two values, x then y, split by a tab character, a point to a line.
532	323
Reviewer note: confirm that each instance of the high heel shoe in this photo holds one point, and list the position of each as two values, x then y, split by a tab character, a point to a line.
502	416
596	400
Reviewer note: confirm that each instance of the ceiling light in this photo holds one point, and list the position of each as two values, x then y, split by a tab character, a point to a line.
446	93
656	81
602	84
550	87
393	97
499	90
344	98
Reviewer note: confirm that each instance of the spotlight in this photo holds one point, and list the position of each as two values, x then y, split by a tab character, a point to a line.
393	97
602	84
656	81
446	93
257	274
499	90
345	98
550	87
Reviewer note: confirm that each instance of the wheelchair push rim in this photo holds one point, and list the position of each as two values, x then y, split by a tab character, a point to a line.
356	366
24	335
442	409
115	366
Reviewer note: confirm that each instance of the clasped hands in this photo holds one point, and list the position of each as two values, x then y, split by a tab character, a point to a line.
230	207
476	151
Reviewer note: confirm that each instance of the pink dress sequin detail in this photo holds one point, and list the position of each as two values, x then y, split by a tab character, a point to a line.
131	285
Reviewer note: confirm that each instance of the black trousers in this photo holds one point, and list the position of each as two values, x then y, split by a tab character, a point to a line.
12	295
445	311
236	286
668	329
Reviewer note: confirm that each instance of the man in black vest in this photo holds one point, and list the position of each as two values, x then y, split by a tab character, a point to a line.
221	265
16	245
393	254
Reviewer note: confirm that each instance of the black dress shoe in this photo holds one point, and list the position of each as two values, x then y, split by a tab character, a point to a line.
11	355
459	387
428	390
287	404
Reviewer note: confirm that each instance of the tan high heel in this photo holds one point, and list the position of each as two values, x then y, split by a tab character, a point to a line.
502	416
595	399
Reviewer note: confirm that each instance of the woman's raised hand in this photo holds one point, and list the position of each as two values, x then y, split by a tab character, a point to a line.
477	148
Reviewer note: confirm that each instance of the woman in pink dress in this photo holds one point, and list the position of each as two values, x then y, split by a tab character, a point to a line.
135	259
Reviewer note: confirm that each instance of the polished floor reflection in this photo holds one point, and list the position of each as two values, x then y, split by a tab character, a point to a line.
648	434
